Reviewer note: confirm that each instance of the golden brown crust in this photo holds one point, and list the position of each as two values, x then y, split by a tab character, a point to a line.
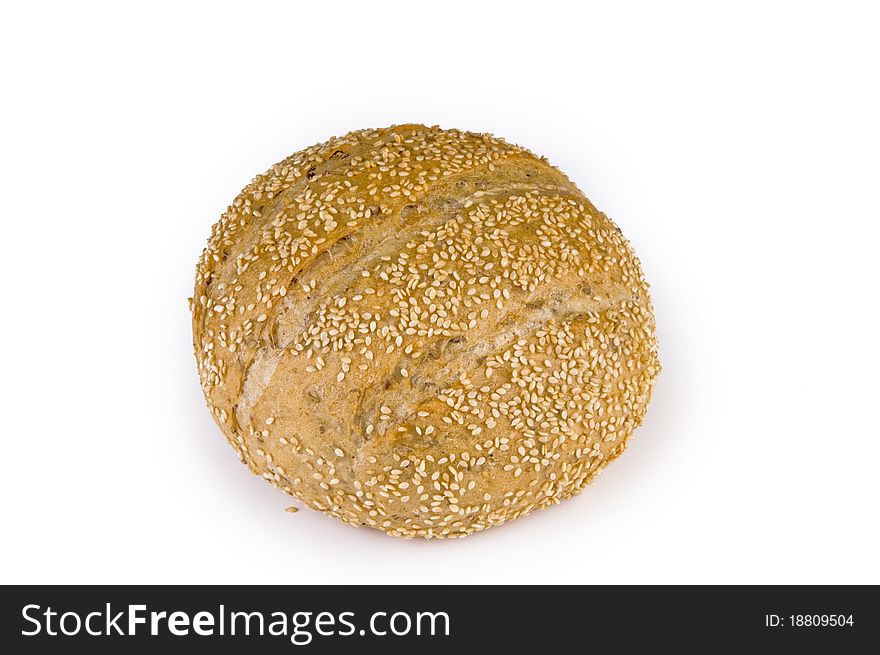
423	331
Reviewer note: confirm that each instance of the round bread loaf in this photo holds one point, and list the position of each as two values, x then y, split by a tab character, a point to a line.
424	331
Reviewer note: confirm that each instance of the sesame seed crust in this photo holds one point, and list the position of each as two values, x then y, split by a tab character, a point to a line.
424	331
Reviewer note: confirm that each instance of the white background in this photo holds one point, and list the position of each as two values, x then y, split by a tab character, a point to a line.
738	148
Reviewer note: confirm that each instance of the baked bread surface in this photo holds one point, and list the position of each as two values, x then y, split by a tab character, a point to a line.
424	331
